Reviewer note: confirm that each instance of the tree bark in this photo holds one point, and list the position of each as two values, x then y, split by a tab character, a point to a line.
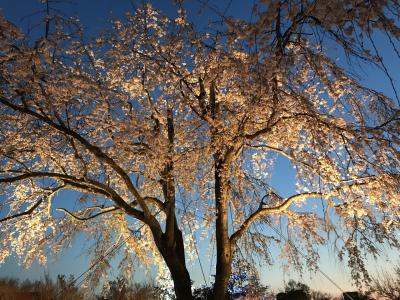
224	249
174	256
179	272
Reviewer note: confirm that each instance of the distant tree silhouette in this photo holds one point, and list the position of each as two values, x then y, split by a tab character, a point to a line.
202	293
293	295
294	291
356	296
318	295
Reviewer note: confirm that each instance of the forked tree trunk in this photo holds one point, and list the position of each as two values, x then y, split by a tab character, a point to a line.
171	244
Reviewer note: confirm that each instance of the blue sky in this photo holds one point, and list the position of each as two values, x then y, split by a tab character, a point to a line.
95	15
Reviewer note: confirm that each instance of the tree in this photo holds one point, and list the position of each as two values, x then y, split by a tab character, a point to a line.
297	290
161	130
293	285
386	284
355	296
118	289
294	290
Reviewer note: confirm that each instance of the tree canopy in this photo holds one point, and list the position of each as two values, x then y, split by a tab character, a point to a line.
162	130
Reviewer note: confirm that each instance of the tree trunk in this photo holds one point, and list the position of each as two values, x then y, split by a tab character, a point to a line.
177	266
224	250
172	246
173	253
181	278
223	272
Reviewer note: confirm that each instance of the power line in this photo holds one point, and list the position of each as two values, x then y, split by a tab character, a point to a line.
211	259
117	246
194	239
110	251
84	275
197	253
277	231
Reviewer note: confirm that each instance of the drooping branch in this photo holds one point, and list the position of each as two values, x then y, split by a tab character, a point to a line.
104	210
285	154
156	201
95	150
84	185
308	166
263	211
35	205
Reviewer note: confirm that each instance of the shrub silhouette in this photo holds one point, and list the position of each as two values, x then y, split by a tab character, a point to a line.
61	289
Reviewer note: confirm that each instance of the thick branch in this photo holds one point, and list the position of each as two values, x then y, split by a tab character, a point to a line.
85	185
263	211
262	131
104	211
168	184
27	212
156	201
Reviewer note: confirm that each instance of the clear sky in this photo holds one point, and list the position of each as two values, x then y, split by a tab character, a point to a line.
95	15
